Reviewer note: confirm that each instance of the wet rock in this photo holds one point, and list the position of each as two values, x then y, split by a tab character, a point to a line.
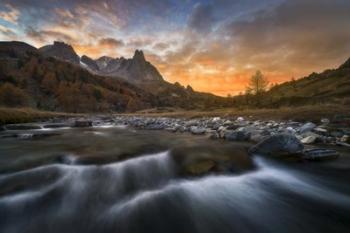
307	127
211	158
343	144
279	146
345	139
228	122
27	136
22	127
197	130
320	130
214	135
237	136
258	137
309	139
319	154
325	121
155	126
216	119
82	123
240	119
56	125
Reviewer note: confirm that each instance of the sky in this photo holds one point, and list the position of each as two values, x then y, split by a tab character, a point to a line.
212	45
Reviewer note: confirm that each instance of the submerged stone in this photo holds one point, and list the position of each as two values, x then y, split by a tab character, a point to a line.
320	154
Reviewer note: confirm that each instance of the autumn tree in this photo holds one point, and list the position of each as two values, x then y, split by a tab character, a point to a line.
11	96
49	82
257	84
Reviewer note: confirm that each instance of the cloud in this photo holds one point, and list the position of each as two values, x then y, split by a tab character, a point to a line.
160	46
201	18
10	14
110	42
297	36
211	45
45	36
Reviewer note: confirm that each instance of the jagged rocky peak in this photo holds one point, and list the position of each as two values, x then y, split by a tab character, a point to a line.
89	62
103	62
189	88
139	56
60	50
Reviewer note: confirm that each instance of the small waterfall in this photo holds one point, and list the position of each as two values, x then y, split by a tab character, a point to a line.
144	194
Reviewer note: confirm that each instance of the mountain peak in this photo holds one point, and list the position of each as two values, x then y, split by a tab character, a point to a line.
138	55
61	51
346	65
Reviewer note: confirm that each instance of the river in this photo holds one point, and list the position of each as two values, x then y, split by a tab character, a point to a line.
117	179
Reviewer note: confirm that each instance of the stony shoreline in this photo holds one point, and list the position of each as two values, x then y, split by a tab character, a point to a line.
328	132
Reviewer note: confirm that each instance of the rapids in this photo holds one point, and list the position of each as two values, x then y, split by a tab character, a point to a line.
143	193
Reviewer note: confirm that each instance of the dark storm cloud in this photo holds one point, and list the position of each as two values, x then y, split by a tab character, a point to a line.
201	18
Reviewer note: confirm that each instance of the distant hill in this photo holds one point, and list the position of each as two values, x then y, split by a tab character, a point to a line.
332	85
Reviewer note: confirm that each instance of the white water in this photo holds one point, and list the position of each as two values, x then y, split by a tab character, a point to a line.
144	195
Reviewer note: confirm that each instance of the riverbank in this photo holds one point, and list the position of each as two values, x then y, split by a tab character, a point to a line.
302	114
26	115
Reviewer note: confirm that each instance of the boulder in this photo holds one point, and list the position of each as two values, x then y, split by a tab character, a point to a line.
320	130
307	127
83	123
22	127
55	125
309	139
279	146
214	135
212	158
320	154
325	121
237	136
197	130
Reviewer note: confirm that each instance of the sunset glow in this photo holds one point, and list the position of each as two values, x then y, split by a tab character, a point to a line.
214	46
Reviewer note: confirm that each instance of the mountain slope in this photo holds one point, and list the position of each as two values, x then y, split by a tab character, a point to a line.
138	71
332	85
27	78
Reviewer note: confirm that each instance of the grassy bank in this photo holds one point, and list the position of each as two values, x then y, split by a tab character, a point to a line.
303	113
24	115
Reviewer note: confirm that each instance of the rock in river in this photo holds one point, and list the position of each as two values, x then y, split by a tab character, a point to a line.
307	127
83	123
197	130
237	136
319	154
279	145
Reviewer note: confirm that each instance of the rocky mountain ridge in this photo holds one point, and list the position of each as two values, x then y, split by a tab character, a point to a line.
134	70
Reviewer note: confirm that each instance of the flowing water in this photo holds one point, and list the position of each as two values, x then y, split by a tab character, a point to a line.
122	180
